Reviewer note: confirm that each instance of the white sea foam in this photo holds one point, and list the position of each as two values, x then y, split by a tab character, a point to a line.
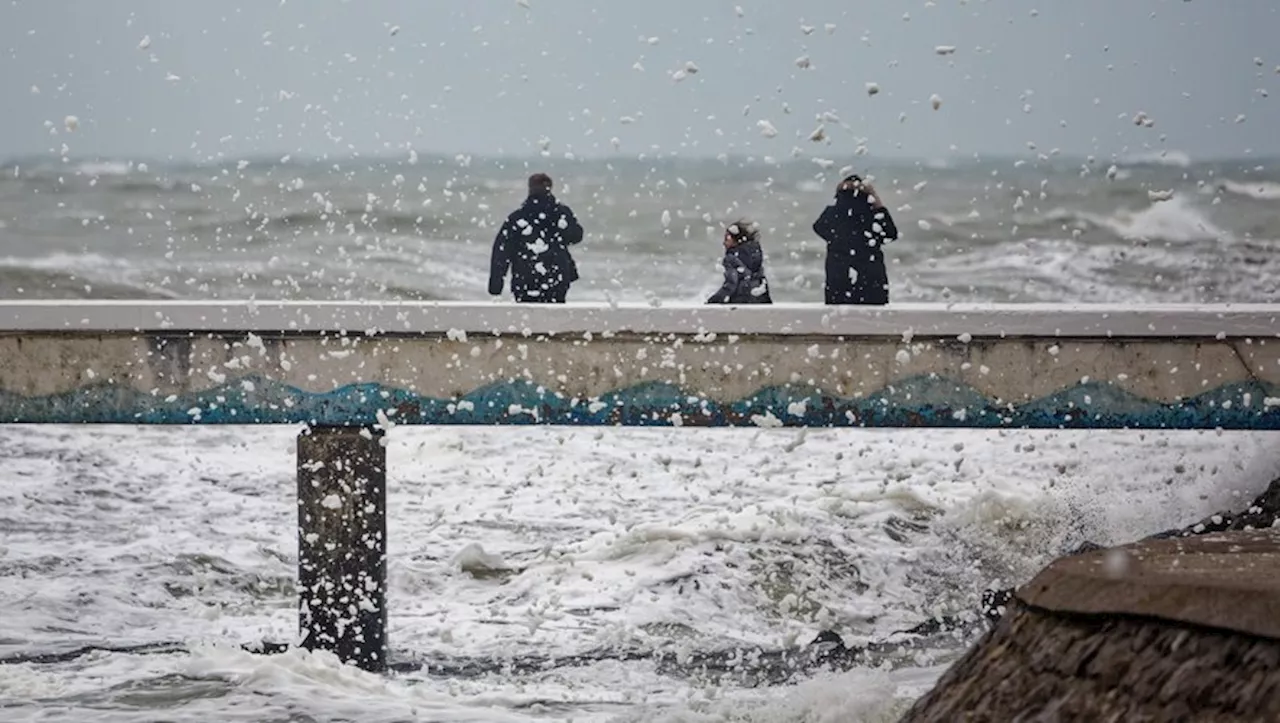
694	538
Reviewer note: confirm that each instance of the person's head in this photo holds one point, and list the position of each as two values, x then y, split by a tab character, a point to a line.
540	183
740	232
851	183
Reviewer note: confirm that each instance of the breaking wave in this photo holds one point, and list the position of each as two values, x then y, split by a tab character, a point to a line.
1258	190
1176	159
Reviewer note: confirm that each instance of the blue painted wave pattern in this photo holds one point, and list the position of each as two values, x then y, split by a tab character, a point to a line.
922	401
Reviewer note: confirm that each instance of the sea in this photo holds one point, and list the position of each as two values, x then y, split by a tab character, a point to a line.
555	574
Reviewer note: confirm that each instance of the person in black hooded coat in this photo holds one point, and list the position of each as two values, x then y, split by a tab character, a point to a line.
534	244
744	279
856	226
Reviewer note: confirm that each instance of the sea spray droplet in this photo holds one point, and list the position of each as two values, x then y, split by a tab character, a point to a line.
1117	563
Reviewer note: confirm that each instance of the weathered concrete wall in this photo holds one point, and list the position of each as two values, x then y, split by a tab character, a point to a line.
1161	630
825	370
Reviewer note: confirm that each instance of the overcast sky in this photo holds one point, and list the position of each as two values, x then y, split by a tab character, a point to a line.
328	77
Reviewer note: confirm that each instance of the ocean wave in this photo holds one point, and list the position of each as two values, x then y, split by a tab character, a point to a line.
78	276
104	168
1258	190
118	178
1173	220
332	220
63	262
1177	159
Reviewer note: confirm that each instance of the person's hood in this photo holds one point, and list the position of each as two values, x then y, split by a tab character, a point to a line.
749	254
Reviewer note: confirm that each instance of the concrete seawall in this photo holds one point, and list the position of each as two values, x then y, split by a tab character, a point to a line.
1175	629
383	364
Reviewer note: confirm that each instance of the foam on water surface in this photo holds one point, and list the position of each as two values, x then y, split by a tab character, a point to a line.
687	541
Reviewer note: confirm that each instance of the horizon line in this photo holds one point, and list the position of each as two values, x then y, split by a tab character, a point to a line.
1143	157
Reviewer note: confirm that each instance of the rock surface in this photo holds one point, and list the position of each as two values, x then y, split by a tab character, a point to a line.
1041	666
1262	514
1182	625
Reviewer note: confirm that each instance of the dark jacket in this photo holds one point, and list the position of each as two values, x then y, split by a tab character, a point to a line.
856	234
534	244
744	279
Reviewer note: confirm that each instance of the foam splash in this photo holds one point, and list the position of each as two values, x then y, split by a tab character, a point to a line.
299	674
854	697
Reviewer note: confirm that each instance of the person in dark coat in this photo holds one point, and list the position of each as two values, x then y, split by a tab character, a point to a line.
744	279
534	244
856	226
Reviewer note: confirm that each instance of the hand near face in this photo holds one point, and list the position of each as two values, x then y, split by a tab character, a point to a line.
863	187
872	197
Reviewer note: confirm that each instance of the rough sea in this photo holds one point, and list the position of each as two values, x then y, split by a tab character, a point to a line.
586	574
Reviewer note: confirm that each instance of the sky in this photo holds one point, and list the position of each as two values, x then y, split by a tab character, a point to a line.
191	80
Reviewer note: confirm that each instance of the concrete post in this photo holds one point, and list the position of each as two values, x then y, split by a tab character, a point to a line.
342	544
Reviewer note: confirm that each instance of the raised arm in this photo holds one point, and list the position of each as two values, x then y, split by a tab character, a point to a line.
731	277
500	260
882	225
827	224
570	229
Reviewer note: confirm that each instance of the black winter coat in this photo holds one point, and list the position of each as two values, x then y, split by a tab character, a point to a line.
534	244
744	279
855	234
